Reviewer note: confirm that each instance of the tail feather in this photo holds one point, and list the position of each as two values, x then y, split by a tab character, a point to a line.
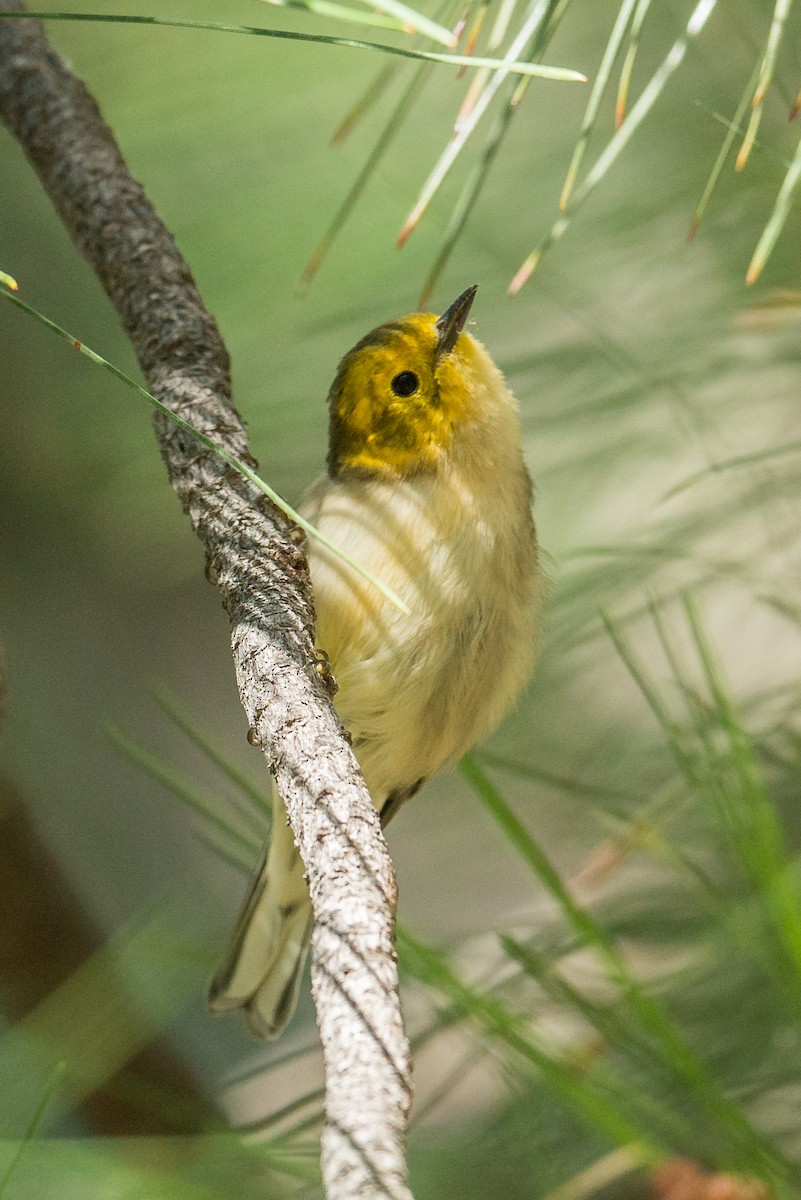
263	967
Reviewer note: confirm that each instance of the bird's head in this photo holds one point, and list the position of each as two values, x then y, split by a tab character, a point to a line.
402	394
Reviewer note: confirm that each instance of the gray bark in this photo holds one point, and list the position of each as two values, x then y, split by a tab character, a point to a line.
260	570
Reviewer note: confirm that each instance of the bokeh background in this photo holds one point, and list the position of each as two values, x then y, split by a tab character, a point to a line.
639	360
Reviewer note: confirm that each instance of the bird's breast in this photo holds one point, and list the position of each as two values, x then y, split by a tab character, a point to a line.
417	689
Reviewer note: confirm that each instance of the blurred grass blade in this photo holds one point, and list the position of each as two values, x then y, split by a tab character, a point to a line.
258	798
588	931
732	786
670	728
781	211
208	1166
605	1019
624	83
601	1097
780	15
573	787
596	95
210	444
108	1010
737	462
9	281
746	1143
756	830
312	1099
651	93
244	842
36	1120
733	128
616	1032
457	1074
600	1175
454	148
775	309
370	97
588	1100
382	145
459	60
723	792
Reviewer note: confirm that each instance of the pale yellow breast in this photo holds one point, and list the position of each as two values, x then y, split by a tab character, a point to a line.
417	690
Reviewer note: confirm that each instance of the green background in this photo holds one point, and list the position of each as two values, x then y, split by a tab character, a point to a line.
635	362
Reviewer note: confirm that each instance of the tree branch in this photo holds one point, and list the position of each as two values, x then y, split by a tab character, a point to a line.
262	575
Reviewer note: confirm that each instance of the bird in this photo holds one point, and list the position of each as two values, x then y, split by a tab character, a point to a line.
427	487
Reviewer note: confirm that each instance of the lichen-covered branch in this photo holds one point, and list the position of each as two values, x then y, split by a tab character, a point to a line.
262	576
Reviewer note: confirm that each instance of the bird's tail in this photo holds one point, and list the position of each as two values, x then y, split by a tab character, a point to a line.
263	966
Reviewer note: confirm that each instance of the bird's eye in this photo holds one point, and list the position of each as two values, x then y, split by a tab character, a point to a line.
405	384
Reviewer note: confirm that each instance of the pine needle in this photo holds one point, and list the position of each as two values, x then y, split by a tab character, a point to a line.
596	95
454	148
459	60
651	93
728	140
776	222
624	83
780	14
36	1120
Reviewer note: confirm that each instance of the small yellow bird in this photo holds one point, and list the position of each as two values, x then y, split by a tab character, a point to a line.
427	487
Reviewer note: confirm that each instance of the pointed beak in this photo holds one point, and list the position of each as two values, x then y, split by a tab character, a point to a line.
452	321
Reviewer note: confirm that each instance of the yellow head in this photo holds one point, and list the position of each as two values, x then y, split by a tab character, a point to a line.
401	392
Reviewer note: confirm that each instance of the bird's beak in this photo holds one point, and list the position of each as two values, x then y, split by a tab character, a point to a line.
452	321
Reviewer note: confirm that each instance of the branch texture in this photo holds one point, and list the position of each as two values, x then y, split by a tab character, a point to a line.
253	557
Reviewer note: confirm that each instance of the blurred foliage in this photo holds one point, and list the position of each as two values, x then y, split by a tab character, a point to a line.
659	404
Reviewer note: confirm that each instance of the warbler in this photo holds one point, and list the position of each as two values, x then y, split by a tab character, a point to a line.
426	487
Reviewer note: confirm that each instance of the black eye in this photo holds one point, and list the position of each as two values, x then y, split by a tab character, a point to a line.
405	384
